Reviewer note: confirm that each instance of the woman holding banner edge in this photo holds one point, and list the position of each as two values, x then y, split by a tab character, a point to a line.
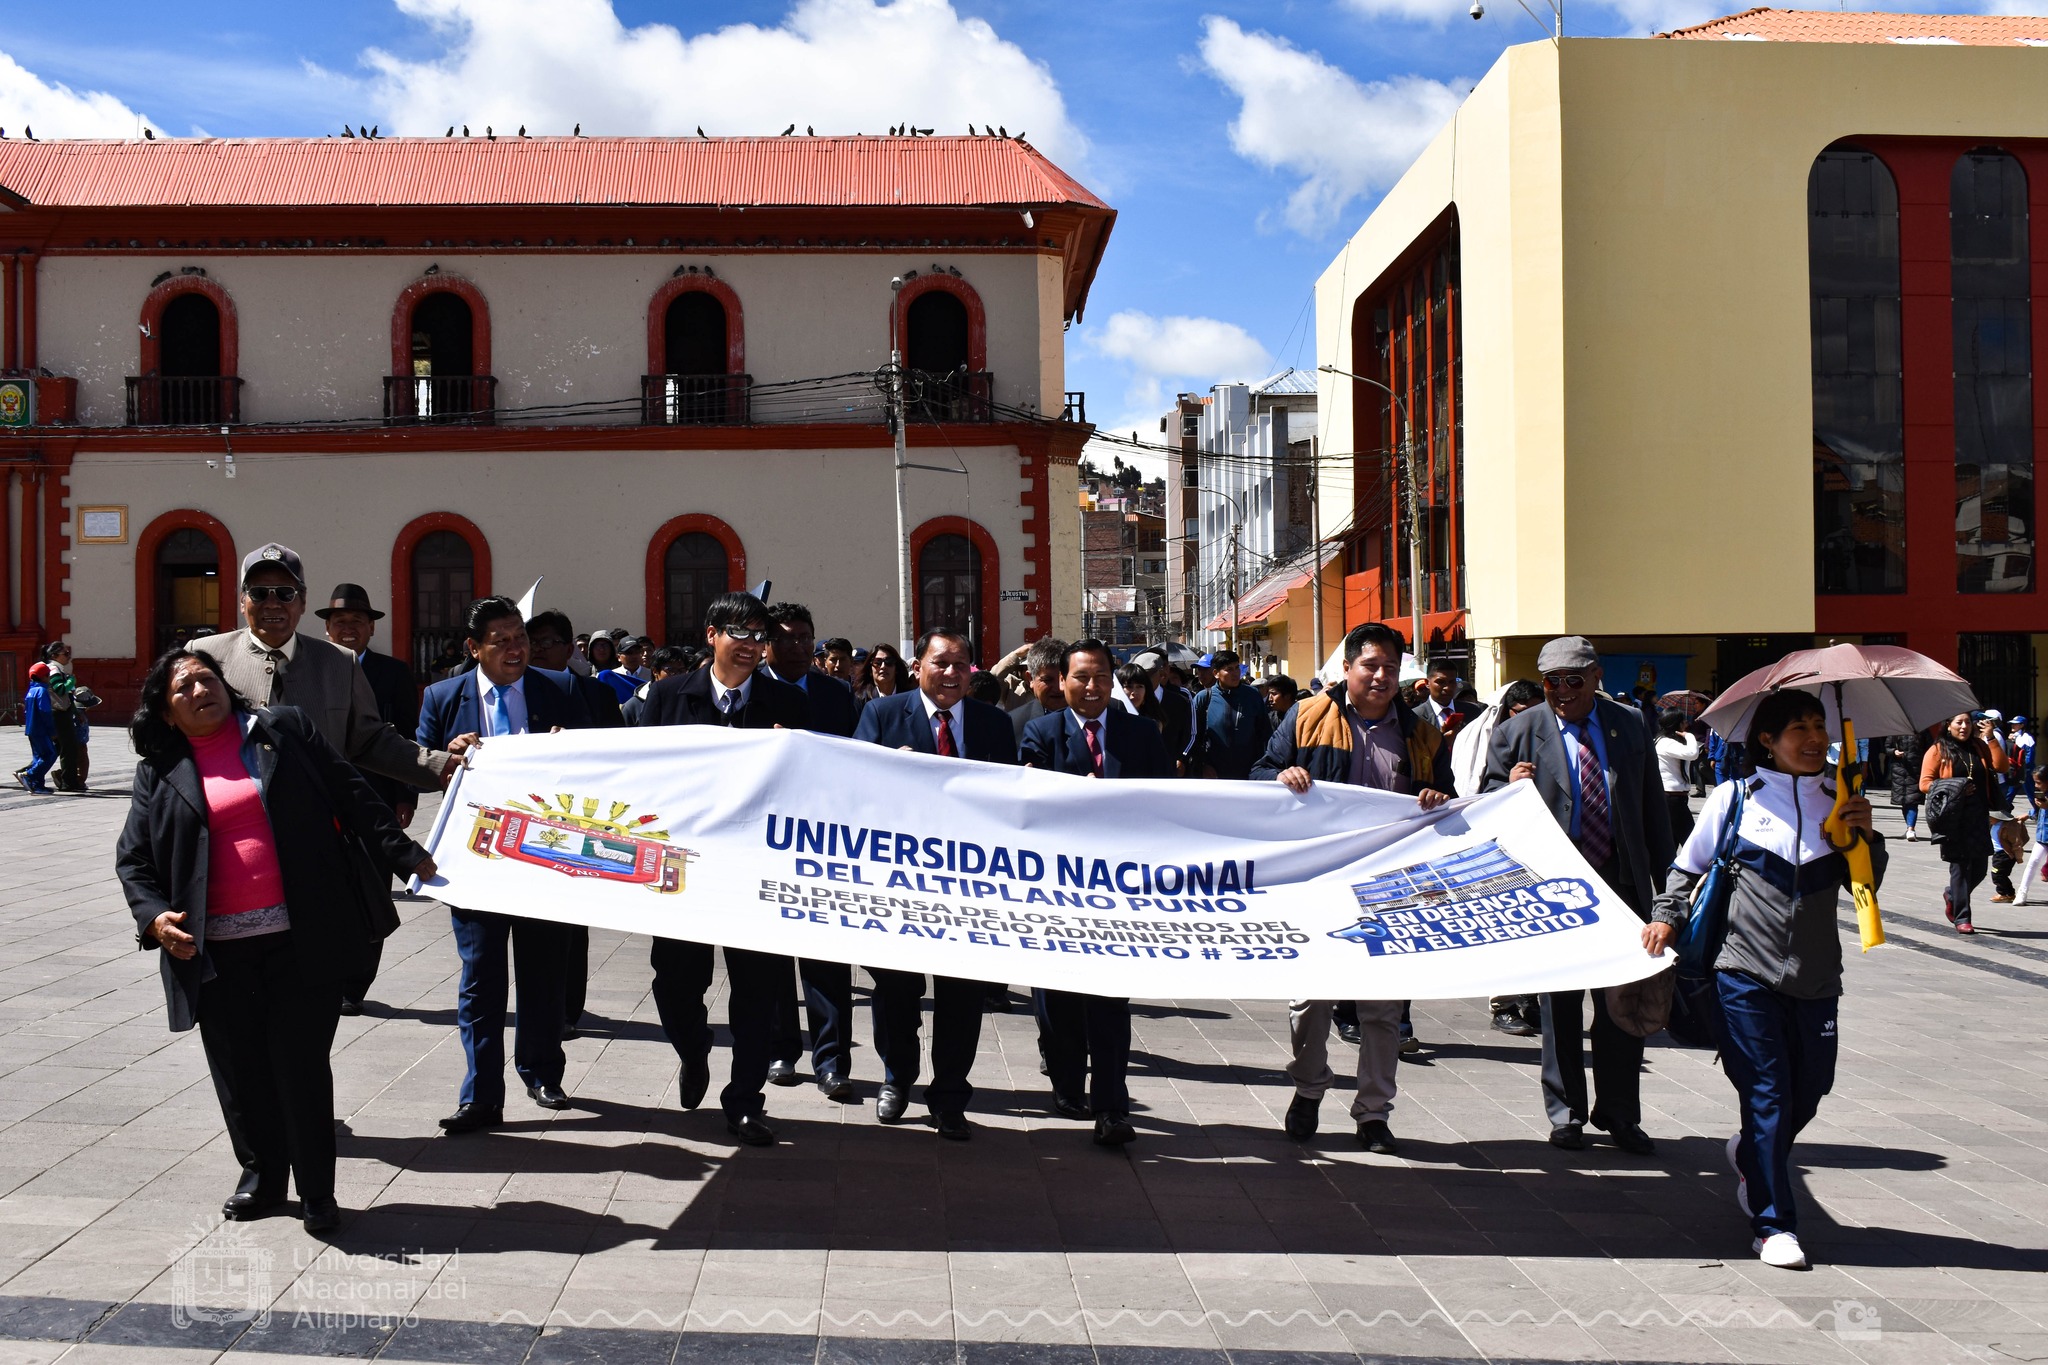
1778	970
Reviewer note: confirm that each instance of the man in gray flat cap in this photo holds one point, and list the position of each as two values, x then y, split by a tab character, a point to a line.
1592	761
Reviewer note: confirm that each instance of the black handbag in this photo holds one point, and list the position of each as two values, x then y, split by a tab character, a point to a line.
1950	801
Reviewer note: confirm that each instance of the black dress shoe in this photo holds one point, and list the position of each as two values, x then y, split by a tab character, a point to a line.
243	1207
1350	1033
320	1215
1113	1130
351	1008
570	1031
1301	1118
1067	1107
1569	1136
1511	1022
997	1001
696	1080
783	1073
890	1104
469	1118
1630	1137
1375	1136
751	1131
834	1086
952	1125
548	1096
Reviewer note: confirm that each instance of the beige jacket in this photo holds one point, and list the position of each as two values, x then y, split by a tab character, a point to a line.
324	682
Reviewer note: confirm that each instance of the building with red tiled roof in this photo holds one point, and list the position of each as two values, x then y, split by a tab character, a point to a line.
647	369
1711	346
1851	26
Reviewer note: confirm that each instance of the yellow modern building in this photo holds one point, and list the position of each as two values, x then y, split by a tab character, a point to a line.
1706	345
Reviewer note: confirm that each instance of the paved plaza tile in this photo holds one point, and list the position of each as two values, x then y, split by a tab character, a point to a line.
623	1230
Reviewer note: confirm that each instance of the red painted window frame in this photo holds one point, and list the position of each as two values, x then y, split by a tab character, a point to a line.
735	321
479	322
977	315
991	641
408	540
146	546
667	534
161	297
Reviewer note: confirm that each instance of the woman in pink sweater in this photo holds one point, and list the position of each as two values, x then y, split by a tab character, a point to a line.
236	867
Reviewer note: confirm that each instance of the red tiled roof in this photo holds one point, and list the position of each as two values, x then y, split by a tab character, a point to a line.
1839	26
363	172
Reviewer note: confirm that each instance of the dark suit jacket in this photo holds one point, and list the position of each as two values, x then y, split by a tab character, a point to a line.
692	700
1131	745
398	702
1642	822
307	786
452	707
899	721
833	709
606	712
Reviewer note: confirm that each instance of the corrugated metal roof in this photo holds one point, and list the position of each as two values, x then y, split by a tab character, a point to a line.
1269	594
1289	380
360	172
1835	26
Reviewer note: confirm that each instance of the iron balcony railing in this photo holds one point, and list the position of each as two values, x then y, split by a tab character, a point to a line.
440	398
1076	409
184	400
670	400
956	396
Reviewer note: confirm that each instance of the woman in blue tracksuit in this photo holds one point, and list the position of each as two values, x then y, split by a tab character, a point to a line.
1778	972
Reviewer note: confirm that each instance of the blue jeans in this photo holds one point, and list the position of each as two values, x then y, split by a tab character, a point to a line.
538	954
1779	1052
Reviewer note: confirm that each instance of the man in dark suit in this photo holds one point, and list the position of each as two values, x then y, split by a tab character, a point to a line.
550	643
1592	761
504	695
1440	703
935	717
827	986
1087	1038
734	691
350	622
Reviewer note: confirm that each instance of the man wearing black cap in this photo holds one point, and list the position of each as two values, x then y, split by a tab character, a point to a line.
1592	760
270	663
351	621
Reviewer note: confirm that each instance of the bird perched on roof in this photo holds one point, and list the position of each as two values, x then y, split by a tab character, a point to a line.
346	131
465	130
970	130
700	130
28	132
577	131
522	130
151	136
1020	135
450	132
489	134
373	130
922	132
810	131
1002	132
790	129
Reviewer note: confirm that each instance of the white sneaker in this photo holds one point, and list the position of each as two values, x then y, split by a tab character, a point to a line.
1741	1182
1780	1249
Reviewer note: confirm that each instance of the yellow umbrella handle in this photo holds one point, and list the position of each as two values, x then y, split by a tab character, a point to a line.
1855	849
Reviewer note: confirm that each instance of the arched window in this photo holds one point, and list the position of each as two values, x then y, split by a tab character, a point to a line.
949	586
695	573
943	331
189	355
187	587
690	560
1991	294
443	586
696	354
1859	440
441	354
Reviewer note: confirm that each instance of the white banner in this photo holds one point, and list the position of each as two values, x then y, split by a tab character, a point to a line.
819	847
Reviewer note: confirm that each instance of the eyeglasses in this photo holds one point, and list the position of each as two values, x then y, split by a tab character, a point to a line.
272	594
1573	681
744	635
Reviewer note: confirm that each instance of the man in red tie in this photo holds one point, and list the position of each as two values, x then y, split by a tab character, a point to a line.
1594	763
936	717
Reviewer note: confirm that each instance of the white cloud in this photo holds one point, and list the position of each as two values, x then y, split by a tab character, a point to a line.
1419	11
1182	347
1343	137
841	66
26	100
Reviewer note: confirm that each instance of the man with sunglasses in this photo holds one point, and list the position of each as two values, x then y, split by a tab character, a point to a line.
271	664
1592	761
733	691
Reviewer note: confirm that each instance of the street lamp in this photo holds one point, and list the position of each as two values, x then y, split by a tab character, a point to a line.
1236	564
906	621
1408	478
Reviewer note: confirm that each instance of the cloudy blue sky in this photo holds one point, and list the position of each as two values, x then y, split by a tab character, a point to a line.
1240	142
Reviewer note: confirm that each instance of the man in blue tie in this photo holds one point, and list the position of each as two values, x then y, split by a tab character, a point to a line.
734	690
504	695
935	717
1593	762
1088	1037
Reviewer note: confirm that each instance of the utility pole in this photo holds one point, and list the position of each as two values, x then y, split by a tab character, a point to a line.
1315	535
1405	462
906	618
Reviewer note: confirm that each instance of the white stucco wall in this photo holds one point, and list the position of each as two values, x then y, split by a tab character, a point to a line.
820	523
315	330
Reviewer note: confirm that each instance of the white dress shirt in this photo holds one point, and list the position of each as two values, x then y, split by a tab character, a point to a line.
515	705
739	702
956	718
